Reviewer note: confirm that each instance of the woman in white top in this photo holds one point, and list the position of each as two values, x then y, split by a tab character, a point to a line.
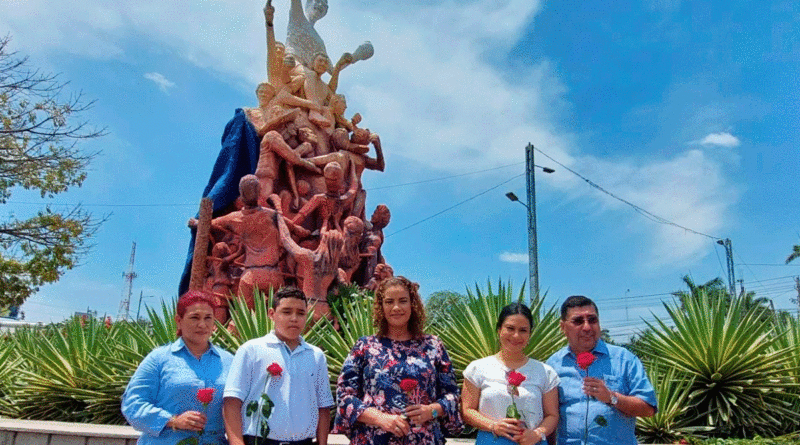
487	393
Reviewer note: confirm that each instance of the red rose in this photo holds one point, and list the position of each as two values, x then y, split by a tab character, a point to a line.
585	359
205	395
515	378
275	369
408	385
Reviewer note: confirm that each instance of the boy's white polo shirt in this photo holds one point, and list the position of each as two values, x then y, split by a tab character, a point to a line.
298	394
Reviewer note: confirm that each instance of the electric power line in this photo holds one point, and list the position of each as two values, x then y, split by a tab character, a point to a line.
639	210
455	205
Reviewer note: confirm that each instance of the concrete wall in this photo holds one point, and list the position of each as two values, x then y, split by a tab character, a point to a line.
34	432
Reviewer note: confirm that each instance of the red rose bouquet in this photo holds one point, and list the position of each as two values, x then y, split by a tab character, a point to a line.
514	380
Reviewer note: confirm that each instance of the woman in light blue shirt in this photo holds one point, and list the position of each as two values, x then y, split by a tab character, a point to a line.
161	399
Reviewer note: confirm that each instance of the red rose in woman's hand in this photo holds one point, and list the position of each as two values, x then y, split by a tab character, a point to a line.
585	359
205	395
275	369
408	385
515	378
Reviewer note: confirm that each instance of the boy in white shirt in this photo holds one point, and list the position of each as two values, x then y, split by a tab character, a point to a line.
277	392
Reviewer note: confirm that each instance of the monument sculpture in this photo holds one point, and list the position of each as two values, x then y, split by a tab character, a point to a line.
285	203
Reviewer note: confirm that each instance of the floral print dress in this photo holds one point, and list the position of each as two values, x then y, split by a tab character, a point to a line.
371	378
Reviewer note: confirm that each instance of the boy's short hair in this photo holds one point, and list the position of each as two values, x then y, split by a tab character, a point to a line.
287	292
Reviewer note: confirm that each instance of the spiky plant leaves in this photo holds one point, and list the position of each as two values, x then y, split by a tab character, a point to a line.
8	375
790	326
249	324
355	320
470	332
672	421
163	327
739	372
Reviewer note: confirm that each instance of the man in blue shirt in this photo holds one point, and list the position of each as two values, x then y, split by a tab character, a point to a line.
277	392
598	404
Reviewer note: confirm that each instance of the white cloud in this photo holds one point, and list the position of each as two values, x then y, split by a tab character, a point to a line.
163	83
429	91
689	189
511	257
721	139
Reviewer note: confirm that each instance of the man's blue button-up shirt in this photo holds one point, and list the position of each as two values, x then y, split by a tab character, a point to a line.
166	384
622	372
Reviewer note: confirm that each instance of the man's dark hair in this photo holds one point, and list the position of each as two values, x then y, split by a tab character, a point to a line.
576	301
287	292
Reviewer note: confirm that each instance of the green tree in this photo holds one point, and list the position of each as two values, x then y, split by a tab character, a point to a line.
440	306
39	137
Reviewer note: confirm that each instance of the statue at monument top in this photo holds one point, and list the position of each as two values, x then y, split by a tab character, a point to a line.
302	40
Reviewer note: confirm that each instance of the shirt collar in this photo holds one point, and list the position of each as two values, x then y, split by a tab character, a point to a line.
273	339
599	348
179	344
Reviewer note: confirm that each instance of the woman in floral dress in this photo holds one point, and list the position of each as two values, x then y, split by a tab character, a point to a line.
373	407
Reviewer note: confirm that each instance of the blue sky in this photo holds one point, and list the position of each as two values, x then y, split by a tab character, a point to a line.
687	109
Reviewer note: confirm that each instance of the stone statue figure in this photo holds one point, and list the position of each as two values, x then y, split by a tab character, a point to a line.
351	254
220	280
334	204
295	152
315	269
382	272
302	40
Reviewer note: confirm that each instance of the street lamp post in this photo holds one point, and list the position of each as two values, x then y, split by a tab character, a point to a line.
533	249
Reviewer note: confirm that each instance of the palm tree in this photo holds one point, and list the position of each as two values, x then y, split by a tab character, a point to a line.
713	288
794	255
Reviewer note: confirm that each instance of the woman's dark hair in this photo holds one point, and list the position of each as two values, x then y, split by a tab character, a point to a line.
417	320
514	309
193	297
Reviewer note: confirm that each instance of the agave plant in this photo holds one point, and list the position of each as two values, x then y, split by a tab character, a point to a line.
739	371
672	421
60	363
355	319
249	324
790	326
470	333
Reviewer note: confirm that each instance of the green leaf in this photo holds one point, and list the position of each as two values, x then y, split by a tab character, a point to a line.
251	408
512	412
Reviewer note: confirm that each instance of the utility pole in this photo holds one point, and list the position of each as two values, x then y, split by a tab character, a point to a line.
729	254
533	249
533	252
125	304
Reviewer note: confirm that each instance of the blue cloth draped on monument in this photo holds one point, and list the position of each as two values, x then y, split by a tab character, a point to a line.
238	157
